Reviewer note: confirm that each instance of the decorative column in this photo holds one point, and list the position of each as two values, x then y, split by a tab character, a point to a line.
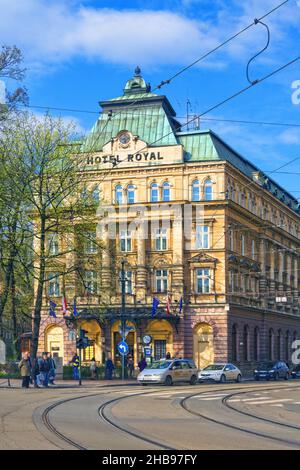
141	275
70	279
106	267
295	283
178	270
272	273
280	272
262	280
288	277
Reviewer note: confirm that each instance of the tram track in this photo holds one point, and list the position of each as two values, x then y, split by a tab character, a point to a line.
104	414
184	401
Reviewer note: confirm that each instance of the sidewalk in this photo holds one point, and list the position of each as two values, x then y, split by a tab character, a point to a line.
16	383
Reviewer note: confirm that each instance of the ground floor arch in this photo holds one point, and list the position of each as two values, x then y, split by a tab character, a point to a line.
203	344
94	333
54	343
161	332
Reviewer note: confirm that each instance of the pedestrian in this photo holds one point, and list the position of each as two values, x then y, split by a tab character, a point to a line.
109	367
25	369
130	366
35	372
52	370
168	356
75	366
142	364
44	365
93	369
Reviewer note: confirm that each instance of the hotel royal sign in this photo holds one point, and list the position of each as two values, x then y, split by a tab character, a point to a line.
126	149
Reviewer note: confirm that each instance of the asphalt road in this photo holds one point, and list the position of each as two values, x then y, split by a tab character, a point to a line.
264	415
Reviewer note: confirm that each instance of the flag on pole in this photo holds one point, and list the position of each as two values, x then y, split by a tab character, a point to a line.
155	304
180	304
64	306
75	311
169	305
52	309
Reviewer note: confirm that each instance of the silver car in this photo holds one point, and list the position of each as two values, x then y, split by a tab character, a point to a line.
220	373
168	372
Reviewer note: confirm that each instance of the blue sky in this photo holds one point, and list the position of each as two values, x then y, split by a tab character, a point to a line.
80	52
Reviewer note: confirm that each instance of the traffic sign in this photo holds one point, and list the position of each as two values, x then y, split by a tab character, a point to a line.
123	348
148	351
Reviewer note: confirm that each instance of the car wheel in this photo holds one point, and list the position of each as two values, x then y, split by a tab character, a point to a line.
287	376
168	380
239	378
276	376
223	379
144	385
193	380
256	378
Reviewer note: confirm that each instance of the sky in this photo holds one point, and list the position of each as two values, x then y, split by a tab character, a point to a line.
78	53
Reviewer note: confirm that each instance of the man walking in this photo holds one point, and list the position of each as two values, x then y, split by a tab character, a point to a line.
75	366
109	367
52	369
44	369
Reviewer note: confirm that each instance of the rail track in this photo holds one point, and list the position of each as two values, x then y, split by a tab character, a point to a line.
104	415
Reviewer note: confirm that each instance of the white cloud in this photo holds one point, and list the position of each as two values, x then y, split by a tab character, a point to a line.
55	31
290	137
2	92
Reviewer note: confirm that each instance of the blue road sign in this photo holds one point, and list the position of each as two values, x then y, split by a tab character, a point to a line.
123	348
148	351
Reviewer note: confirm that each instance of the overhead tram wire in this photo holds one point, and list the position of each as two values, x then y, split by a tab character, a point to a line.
181	71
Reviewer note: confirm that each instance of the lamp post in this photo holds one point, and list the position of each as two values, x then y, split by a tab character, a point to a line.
123	320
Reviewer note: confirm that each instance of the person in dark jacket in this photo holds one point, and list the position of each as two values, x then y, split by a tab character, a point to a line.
35	370
44	369
75	366
25	369
142	364
130	366
52	369
109	367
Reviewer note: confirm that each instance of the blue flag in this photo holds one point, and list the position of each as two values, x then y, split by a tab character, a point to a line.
75	311
155	304
52	309
180	304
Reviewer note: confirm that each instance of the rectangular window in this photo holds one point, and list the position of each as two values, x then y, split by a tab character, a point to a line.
231	281
125	240
231	246
160	349
202	236
203	279
53	244
242	245
253	249
161	280
53	285
89	352
90	245
128	282
161	239
90	279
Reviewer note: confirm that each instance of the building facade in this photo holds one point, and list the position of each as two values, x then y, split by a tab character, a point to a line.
199	227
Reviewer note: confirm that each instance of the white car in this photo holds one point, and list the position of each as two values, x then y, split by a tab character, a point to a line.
168	372
220	373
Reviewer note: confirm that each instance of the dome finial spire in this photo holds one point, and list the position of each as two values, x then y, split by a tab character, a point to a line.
137	71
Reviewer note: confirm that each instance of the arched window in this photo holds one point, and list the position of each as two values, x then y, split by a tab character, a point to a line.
271	345
130	194
287	345
208	190
119	194
96	194
196	191
166	195
256	343
279	336
234	346
246	343
154	192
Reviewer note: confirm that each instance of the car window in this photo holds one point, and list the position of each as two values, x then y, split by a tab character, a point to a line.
185	365
160	365
215	367
176	364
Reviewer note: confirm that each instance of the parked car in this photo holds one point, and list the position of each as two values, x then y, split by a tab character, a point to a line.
220	373
168	372
272	370
295	373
